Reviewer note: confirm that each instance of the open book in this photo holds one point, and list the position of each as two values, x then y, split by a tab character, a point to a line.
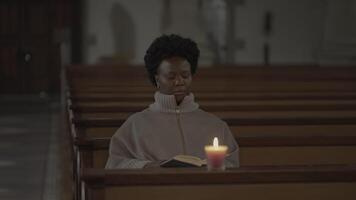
183	161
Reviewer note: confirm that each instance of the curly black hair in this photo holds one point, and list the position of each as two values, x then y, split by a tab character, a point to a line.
167	46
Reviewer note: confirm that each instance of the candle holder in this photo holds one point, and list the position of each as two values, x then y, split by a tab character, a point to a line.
215	156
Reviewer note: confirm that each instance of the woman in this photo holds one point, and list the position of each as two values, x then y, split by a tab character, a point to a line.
174	124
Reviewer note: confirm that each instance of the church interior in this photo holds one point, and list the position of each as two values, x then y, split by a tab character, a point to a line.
280	73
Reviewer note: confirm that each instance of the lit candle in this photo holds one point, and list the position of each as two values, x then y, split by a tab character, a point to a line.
216	155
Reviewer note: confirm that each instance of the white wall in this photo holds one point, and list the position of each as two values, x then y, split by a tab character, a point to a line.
98	34
339	45
186	20
248	28
214	13
296	36
340	17
302	30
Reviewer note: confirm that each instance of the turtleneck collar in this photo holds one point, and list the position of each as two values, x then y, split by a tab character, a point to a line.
167	103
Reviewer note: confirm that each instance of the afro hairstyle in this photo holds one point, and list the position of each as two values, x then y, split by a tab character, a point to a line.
167	46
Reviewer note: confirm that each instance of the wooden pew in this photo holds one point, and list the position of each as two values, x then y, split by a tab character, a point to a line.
263	130
240	122
223	105
249	81
101	127
250	183
108	75
235	87
232	114
257	149
110	97
252	78
317	152
254	151
285	71
275	150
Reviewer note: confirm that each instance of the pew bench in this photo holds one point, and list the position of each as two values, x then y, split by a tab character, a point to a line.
279	123
250	183
233	87
302	139
107	97
225	105
254	151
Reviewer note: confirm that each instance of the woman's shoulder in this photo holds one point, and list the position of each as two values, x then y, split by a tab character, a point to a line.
140	115
133	120
137	115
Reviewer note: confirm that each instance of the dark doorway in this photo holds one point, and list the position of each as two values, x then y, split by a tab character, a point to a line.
26	47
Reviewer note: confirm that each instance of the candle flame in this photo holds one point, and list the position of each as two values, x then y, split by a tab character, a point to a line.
216	142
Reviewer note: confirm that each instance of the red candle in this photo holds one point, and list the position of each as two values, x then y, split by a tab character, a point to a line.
215	155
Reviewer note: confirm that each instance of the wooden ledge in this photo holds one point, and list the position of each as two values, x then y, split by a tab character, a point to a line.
256	141
240	121
136	108
243	175
97	97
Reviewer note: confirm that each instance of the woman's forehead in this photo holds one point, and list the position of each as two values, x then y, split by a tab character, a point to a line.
174	64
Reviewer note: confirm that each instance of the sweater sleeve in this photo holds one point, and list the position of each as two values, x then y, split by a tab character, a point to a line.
232	158
122	149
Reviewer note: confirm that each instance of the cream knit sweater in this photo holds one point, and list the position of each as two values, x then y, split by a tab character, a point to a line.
165	130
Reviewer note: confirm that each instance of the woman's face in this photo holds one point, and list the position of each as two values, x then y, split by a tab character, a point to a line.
174	77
